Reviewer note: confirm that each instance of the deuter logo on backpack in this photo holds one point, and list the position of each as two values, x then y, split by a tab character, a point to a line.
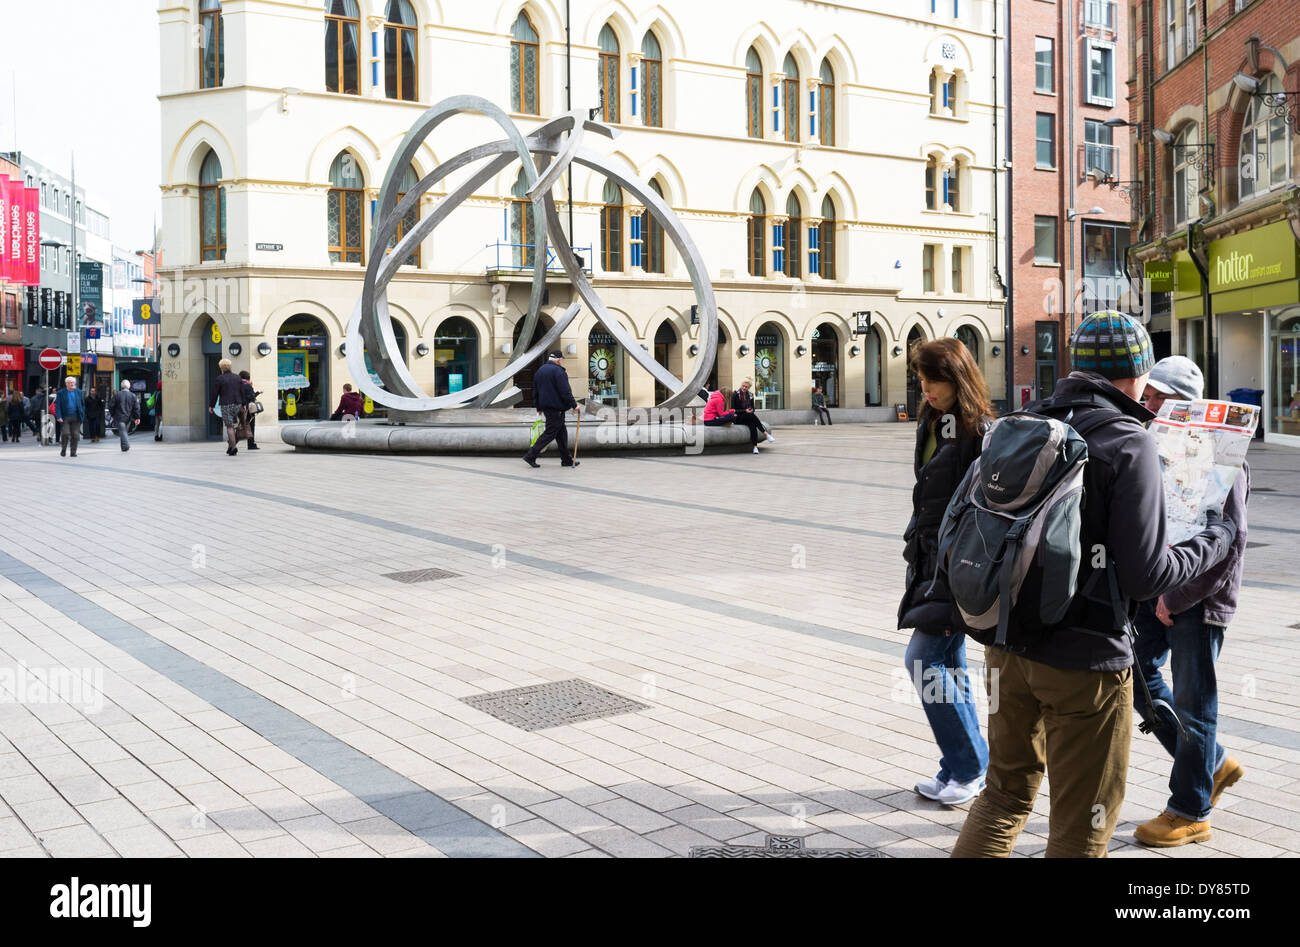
1010	536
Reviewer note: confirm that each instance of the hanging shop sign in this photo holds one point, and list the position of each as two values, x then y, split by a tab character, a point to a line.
1255	269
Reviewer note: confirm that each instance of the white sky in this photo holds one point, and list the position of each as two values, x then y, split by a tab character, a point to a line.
86	76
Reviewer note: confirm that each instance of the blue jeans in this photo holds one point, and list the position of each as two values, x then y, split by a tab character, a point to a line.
1191	647
937	666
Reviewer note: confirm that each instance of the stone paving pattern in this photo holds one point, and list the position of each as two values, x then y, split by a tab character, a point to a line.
268	692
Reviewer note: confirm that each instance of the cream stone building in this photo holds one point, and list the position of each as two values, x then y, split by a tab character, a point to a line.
827	158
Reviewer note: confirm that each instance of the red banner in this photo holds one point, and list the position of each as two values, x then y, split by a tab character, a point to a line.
4	228
12	358
14	251
32	225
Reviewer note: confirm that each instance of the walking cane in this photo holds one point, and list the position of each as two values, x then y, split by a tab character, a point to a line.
576	434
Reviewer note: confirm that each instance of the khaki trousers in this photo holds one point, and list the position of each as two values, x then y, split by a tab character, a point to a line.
1075	724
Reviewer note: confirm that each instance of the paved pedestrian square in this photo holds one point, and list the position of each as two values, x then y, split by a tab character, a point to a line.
207	656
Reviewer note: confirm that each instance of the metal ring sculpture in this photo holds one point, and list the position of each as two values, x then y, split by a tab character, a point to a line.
544	155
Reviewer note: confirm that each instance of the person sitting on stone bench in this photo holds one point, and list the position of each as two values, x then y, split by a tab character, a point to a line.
819	406
716	414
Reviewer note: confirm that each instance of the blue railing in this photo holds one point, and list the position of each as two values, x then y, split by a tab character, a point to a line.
521	251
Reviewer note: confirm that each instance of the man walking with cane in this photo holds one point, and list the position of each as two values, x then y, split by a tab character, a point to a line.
554	397
125	411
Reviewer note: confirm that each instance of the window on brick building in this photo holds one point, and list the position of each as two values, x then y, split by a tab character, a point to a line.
1100	78
1045	141
1044	64
1265	158
1187	179
1045	239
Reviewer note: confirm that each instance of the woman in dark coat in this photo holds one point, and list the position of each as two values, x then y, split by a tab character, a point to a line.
949	436
94	415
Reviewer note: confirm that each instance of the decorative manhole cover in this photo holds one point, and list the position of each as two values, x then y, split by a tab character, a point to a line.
421	575
555	704
781	846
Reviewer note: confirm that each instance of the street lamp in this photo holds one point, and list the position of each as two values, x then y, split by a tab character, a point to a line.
1072	214
73	268
1282	104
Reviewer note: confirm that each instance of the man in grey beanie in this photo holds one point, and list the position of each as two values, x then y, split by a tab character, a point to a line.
1185	627
1065	691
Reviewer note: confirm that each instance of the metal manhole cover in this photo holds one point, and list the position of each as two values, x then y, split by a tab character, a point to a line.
781	846
421	575
554	704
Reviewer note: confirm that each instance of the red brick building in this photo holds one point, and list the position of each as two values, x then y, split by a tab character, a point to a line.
1070	178
1217	232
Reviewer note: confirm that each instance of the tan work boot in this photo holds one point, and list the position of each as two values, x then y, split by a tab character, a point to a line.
1169	831
1227	775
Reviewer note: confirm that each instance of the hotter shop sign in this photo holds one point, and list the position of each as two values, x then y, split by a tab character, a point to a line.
1264	255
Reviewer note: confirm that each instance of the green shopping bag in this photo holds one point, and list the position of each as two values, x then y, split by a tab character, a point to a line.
538	427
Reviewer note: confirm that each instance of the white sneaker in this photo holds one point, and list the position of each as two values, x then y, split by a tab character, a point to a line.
930	788
755	450
955	793
771	438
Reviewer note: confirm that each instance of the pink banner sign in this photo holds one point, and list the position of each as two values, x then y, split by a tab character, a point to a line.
4	228
32	226
14	237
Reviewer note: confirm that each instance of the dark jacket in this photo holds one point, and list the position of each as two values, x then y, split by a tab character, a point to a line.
16	411
741	402
551	391
250	394
923	607
94	407
70	405
1124	514
351	403
123	406
1218	588
228	389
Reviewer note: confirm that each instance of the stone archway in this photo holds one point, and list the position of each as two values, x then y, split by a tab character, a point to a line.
302	353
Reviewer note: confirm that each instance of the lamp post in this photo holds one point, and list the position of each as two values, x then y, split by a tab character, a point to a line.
60	245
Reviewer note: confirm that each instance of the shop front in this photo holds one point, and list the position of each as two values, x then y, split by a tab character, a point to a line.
1255	294
769	368
302	371
605	382
455	350
826	363
13	365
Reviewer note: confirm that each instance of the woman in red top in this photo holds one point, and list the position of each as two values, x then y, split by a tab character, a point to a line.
716	414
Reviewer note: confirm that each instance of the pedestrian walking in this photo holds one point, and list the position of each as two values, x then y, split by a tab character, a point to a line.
951	427
4	418
33	408
228	391
717	414
351	405
819	406
17	415
742	402
94	415
252	407
553	398
125	410
1185	627
70	411
1065	691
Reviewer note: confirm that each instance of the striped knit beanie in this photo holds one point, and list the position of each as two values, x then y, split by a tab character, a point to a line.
1113	345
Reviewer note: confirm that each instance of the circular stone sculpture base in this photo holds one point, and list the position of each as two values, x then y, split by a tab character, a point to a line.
467	437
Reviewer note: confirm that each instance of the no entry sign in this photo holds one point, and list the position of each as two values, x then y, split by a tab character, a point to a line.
51	360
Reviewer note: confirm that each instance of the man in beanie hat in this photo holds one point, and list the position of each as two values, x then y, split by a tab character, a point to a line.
1185	627
553	397
1065	696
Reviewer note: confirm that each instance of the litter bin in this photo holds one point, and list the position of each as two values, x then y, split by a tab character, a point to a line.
1253	396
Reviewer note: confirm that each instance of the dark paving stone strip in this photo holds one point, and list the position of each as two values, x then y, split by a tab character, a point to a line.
773	473
421	812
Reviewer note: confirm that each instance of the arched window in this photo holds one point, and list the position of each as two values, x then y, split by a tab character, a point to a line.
826	104
399	52
943	96
757	252
652	232
342	46
1187	179
931	183
754	93
212	45
652	66
212	210
611	229
455	348
826	239
791	98
968	337
793	228
610	70
1265	144
523	66
408	223
343	217
952	186
521	223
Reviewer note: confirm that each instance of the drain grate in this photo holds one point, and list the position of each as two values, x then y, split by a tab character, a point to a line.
555	704
421	575
781	846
